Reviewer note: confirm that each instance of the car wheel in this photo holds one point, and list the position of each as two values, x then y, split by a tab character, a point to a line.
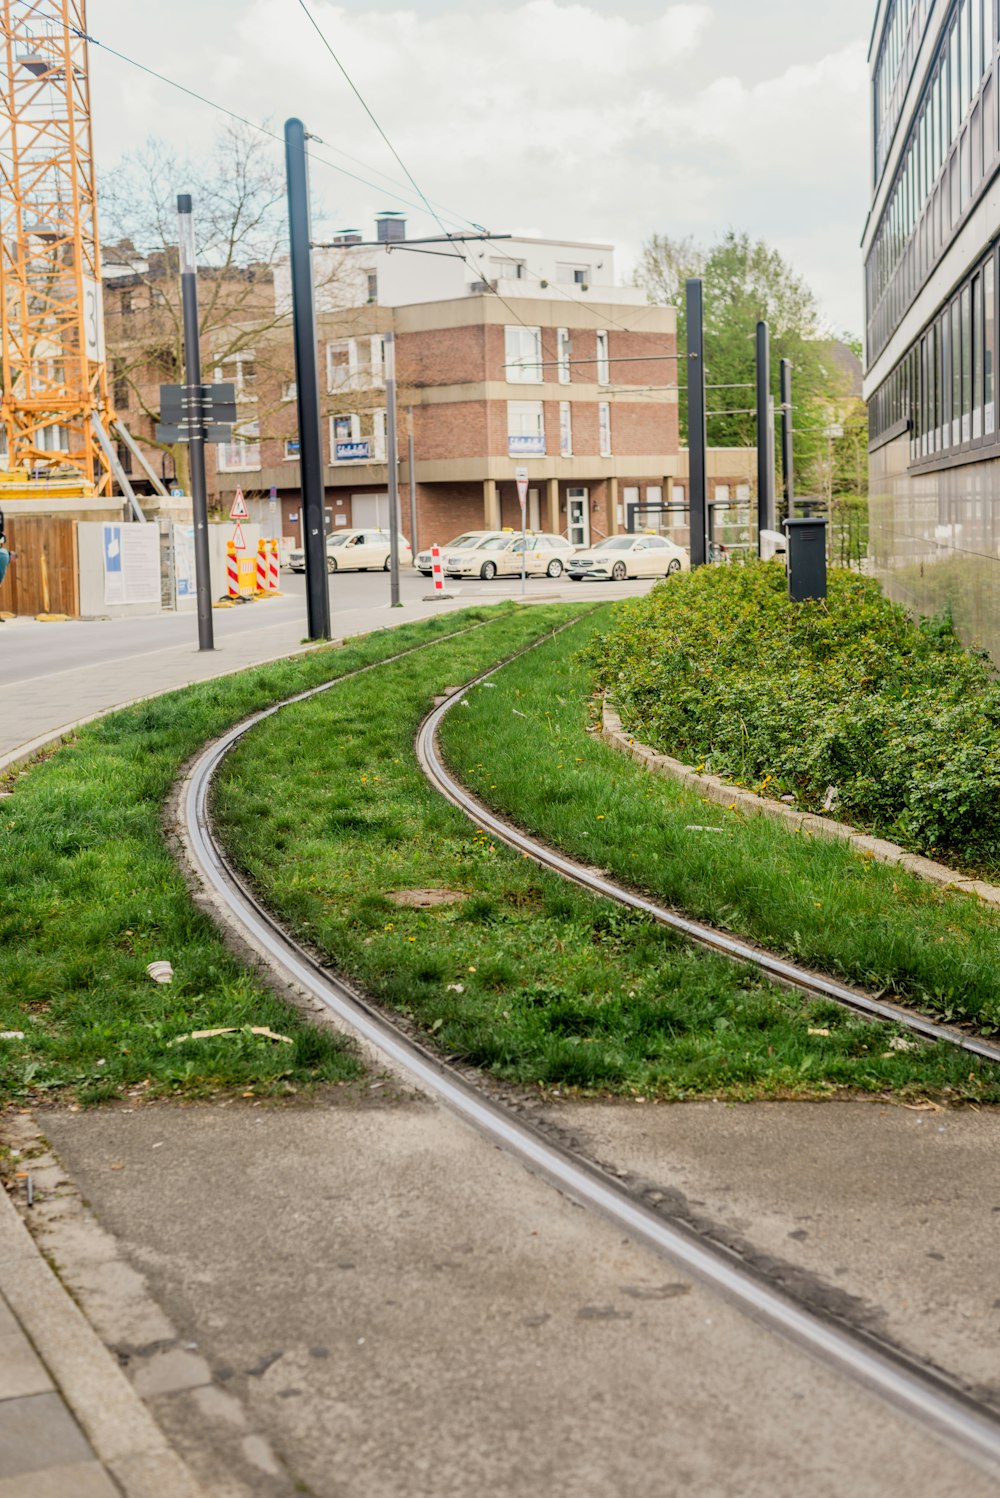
618	571
331	564
675	566
488	571
554	569
386	564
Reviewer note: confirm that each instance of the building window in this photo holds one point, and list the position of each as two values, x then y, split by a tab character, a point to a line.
525	429
292	449
124	456
509	269
239	370
564	349
289	391
358	437
523	355
243	454
378	435
604	428
603	363
338	365
565	429
371	277
573	275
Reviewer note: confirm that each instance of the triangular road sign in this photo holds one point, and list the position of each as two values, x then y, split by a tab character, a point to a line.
239	510
238	540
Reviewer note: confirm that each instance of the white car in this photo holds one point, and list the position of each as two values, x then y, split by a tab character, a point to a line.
619	557
356	551
499	553
422	561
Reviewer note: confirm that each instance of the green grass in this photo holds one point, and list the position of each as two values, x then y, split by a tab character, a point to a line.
328	813
814	900
89	894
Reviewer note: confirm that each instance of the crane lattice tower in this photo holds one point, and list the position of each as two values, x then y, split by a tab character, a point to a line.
54	376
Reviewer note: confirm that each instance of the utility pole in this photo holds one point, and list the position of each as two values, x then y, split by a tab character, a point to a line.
697	477
413	481
194	400
392	453
765	442
787	460
307	383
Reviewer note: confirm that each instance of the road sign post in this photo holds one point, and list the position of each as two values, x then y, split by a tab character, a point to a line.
521	475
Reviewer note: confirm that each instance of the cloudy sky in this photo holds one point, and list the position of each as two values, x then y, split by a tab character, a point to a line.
542	117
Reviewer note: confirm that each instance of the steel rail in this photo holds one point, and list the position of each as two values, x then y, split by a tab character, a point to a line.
788	974
919	1392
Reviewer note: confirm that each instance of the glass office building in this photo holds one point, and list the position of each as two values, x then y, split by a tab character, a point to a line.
930	252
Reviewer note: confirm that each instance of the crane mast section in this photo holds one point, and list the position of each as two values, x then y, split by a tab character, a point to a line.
54	373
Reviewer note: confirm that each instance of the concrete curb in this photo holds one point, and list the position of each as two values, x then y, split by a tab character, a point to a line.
733	796
121	1430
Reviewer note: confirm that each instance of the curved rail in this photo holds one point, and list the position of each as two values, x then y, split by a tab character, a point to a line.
920	1392
788	974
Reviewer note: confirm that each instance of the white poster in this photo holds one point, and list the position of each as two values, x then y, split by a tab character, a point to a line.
131	564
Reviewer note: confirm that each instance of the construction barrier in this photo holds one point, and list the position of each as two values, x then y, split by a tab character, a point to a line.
436	570
272	569
262	567
232	571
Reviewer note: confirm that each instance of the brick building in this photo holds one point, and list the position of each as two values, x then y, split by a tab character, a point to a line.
510	353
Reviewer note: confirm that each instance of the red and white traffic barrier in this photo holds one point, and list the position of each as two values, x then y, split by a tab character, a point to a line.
232	571
437	571
272	565
262	567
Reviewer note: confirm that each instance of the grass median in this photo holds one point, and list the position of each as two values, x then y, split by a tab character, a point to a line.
817	901
503	964
90	895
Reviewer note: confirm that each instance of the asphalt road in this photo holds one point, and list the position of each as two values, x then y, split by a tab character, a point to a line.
29	649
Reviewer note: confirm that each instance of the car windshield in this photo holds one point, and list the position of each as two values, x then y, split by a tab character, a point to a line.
461	541
494	543
615	543
339	539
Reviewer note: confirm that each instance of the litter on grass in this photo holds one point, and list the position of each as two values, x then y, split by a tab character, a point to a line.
11	1034
232	1030
695	827
160	972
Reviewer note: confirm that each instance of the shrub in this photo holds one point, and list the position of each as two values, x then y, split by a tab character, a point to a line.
722	670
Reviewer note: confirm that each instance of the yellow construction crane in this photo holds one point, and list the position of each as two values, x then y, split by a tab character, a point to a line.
54	408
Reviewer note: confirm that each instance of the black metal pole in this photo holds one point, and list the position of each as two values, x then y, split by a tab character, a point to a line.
307	383
697	477
765	499
413	481
392	453
787	457
192	406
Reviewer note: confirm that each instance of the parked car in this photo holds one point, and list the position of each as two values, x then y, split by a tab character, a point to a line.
356	551
619	557
498	554
422	561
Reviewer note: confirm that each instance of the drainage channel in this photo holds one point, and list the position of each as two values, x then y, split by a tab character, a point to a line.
922	1393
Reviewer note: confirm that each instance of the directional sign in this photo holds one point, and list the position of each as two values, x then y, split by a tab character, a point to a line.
239	510
238	541
521	475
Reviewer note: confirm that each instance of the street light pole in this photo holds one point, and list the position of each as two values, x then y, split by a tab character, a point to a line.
193	404
392	453
765	442
307	383
697	478
787	460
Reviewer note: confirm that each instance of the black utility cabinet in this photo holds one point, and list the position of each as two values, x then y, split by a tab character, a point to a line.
806	558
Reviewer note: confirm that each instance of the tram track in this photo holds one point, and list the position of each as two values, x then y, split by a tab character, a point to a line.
926	1394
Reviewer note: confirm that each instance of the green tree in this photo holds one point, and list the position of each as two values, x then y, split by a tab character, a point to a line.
746	281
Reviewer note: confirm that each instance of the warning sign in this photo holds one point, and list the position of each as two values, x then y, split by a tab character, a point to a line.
239	510
238	540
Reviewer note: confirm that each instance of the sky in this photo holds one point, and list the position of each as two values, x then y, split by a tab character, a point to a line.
550	118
